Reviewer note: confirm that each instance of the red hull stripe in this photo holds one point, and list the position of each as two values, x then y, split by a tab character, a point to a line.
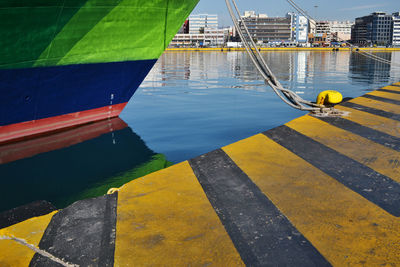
49	142
29	128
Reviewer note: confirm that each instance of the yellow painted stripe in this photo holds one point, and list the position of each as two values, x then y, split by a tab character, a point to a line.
394	88
385	95
347	229
377	104
15	254
372	121
376	156
397	83
165	219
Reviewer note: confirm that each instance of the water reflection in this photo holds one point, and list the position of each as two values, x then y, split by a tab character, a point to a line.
306	72
78	163
203	70
379	72
194	102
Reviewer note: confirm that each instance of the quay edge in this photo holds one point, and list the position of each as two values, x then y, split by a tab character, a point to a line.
227	49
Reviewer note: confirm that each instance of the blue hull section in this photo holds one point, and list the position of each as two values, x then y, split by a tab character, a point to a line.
38	93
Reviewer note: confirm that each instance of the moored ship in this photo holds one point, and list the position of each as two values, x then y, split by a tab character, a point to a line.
69	62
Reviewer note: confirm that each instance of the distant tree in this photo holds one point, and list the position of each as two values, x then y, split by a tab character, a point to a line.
201	30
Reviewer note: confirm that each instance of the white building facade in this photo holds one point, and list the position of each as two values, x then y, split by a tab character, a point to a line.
302	29
211	37
202	21
299	27
396	29
340	30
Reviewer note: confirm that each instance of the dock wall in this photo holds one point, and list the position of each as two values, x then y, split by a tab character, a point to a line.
225	49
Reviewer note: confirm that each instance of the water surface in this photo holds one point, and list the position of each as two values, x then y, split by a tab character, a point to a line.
194	102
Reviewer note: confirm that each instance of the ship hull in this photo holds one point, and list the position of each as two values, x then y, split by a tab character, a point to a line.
64	96
64	63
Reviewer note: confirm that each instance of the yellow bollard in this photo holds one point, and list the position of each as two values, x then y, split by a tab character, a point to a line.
329	97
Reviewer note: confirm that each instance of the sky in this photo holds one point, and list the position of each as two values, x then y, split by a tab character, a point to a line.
326	10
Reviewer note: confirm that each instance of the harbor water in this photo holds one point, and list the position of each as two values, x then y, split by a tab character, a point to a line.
189	104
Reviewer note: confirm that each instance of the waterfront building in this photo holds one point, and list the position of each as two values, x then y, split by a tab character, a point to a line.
374	29
268	29
325	32
200	30
340	30
215	37
299	27
318	39
311	28
321	35
197	23
323	28
210	37
396	29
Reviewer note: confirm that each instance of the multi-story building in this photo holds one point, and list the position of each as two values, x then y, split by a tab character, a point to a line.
264	28
396	29
200	30
320	34
216	37
197	23
210	37
311	28
359	31
299	27
374	29
325	32
323	27
340	30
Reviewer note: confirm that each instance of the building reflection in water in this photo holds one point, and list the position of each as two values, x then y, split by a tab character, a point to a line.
306	72
78	163
376	70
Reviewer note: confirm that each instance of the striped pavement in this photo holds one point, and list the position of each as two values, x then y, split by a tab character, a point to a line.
313	192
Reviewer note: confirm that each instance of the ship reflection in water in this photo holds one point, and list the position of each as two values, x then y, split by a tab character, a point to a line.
78	163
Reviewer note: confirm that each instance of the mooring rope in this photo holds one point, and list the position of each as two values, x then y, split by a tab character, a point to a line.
38	250
288	96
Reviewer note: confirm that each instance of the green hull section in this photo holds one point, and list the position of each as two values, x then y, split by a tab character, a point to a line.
157	163
39	33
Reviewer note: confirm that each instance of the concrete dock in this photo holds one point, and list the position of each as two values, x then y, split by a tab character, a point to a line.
313	192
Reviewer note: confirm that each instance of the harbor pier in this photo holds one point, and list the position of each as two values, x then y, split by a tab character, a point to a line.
316	191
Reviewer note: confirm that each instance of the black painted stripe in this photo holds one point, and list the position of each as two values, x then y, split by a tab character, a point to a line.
377	188
82	234
398	85
374	111
262	235
107	246
382	99
389	91
366	132
25	212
